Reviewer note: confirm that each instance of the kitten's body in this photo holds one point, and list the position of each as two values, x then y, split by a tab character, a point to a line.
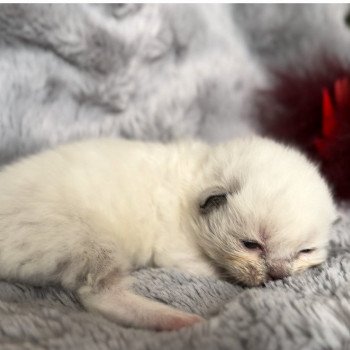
85	215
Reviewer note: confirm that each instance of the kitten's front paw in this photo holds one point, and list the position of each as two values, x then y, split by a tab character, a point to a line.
173	322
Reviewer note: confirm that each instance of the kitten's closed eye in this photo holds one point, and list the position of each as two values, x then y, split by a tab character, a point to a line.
307	251
252	245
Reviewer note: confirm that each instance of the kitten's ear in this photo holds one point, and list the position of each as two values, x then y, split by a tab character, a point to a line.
211	199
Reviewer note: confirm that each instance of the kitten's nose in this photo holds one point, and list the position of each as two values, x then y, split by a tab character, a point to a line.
277	272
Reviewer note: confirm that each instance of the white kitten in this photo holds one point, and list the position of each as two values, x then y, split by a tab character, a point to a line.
87	214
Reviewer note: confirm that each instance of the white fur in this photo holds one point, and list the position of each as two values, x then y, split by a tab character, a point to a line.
84	215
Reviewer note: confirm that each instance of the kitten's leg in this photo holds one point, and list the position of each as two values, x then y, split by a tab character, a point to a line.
117	302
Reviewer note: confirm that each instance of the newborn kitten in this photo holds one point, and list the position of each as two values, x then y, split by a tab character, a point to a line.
87	214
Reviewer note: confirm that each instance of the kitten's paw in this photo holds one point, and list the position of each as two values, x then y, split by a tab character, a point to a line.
176	321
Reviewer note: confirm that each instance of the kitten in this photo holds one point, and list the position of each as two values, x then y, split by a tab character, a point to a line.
85	215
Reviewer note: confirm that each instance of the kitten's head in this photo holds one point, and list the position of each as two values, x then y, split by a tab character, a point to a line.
265	213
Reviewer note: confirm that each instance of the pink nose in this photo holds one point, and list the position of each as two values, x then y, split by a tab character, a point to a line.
277	272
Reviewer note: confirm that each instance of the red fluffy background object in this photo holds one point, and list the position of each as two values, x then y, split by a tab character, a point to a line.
311	110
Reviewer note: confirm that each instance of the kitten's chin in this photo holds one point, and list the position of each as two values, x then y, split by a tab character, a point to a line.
252	283
253	279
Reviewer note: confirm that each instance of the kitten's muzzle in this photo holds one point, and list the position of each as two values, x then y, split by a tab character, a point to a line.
278	270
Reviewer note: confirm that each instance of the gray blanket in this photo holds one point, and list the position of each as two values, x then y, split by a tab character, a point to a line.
163	72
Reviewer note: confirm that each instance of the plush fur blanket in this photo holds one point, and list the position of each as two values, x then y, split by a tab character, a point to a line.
163	72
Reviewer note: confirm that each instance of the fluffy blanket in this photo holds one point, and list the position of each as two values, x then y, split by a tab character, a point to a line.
163	72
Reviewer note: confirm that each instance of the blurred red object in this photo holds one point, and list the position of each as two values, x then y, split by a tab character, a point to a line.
312	112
